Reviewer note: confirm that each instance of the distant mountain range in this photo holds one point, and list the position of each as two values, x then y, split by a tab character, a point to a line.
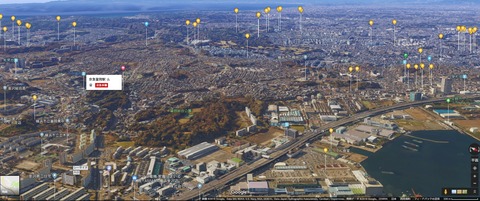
120	6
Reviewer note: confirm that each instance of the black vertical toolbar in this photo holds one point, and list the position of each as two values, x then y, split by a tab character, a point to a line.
474	150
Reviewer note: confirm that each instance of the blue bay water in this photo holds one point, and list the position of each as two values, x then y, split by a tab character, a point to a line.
433	167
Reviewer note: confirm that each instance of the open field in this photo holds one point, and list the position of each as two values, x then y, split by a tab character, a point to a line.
368	104
415	125
419	114
264	138
28	165
386	103
467	124
356	157
125	144
42	158
40	82
219	155
421	121
372	105
300	129
197	110
183	121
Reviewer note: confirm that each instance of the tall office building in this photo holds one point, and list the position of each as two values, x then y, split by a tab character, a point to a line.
415	96
446	86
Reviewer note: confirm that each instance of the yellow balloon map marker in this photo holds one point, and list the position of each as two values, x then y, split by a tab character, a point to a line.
235	10
13	26
350	69
258	15
420	50
300	9
279	10
407	72
28	26
267	19
19	23
416	73
431	66
440	36
325	150
34	97
463	30
394	22
74	24
4	29
459	29
58	18
357	69
195	24
198	27
331	130
187	22
370	22
247	36
471	31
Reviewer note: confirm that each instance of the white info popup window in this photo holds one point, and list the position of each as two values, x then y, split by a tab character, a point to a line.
104	82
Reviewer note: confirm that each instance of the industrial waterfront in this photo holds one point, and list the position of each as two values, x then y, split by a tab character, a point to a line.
435	165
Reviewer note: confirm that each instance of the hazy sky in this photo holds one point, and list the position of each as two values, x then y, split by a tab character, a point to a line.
23	1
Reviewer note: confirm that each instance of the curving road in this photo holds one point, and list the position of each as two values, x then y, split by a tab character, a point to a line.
245	169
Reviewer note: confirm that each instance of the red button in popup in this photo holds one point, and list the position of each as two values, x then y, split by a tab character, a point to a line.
101	85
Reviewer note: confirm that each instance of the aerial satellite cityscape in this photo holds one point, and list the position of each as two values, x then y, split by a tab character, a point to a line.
239	100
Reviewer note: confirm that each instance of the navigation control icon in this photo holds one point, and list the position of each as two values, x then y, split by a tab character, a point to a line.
474	149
